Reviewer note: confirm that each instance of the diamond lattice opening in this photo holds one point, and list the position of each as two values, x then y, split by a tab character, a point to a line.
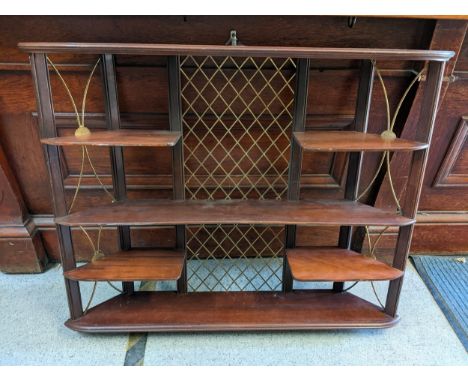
237	121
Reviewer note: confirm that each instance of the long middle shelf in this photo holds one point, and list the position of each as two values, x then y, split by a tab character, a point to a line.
268	212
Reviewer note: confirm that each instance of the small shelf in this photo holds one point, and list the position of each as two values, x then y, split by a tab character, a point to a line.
336	264
349	141
132	265
268	212
122	137
229	311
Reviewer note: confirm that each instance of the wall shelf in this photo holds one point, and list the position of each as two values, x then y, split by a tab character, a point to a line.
201	141
352	141
172	312
133	137
132	265
270	212
337	264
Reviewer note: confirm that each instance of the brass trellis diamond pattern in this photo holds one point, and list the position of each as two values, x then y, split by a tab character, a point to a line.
237	119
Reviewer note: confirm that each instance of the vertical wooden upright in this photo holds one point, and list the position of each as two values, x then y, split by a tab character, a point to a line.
294	179
48	129
175	124
425	125
363	103
116	153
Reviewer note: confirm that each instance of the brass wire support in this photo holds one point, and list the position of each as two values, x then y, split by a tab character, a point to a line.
385	159
83	130
390	127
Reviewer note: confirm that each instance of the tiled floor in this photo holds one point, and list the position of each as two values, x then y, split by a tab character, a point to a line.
33	309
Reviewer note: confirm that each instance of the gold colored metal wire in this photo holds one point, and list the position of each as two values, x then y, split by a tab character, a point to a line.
97	253
372	249
390	126
246	116
386	159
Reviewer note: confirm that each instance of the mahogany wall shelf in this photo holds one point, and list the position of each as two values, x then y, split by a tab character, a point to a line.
207	311
337	264
132	265
271	212
191	310
129	138
352	141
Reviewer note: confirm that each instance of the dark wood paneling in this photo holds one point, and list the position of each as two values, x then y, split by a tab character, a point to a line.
252	30
142	84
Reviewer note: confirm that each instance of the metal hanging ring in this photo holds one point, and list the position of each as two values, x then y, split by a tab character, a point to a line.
351	21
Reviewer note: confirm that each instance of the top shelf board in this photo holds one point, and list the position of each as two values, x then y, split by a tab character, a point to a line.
349	141
122	137
237	51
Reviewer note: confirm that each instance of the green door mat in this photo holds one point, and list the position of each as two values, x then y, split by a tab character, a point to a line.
447	279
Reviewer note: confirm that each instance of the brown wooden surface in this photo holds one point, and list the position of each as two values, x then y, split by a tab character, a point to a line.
336	264
173	212
355	159
453	171
352	141
119	183
132	265
47	129
142	85
139	138
235	51
21	247
443	189
171	312
295	159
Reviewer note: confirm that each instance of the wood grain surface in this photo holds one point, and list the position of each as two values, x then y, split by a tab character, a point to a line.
352	141
171	312
132	265
269	212
337	264
130	137
236	51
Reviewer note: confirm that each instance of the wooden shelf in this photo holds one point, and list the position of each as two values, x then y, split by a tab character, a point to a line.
182	311
236	50
350	141
336	264
228	311
270	212
132	265
122	137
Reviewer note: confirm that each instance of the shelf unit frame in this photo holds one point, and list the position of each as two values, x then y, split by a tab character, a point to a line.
347	239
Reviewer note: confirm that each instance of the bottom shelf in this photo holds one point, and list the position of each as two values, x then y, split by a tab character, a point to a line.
231	311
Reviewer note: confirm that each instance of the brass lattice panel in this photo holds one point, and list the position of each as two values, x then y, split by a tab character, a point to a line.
237	120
